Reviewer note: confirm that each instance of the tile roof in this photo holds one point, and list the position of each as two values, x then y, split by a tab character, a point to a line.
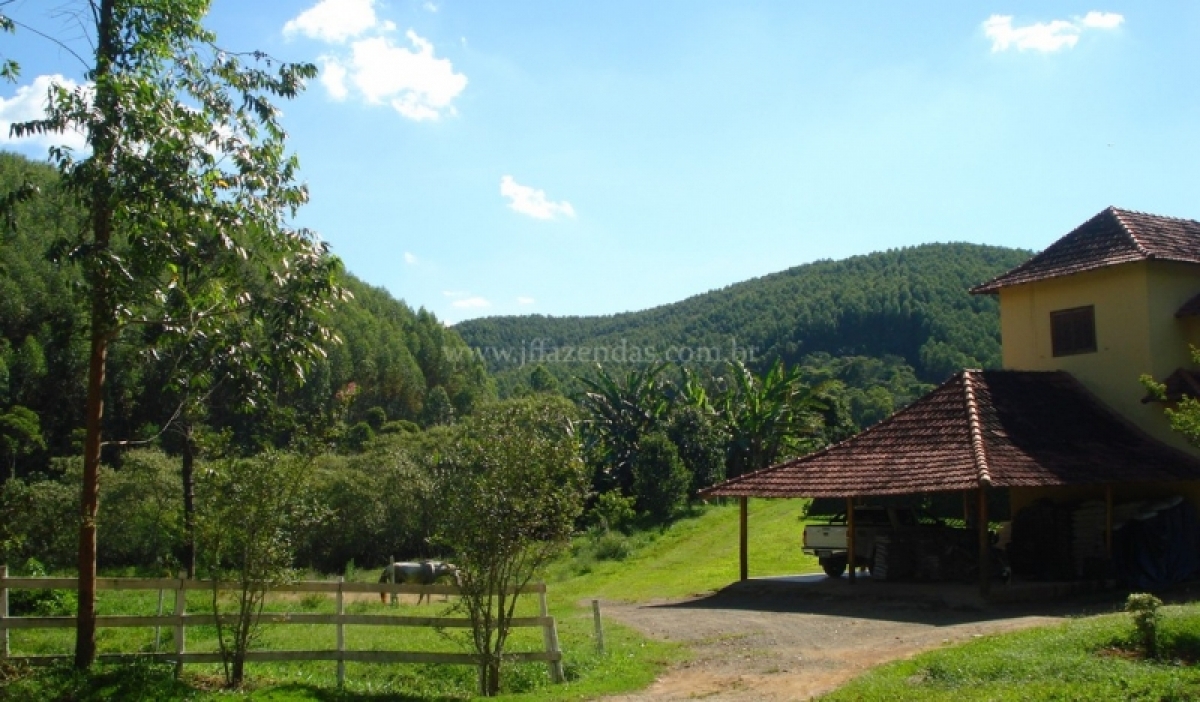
1112	237
997	428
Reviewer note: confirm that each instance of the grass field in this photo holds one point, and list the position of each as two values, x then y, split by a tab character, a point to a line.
1086	659
696	554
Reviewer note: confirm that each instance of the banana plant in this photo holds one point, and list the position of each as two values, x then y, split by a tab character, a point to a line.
770	418
618	413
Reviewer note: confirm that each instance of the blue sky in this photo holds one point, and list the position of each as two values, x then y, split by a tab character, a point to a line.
553	157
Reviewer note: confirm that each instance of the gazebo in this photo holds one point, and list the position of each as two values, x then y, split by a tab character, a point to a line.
1028	432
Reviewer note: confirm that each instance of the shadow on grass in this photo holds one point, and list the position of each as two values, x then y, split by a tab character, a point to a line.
154	682
297	691
136	680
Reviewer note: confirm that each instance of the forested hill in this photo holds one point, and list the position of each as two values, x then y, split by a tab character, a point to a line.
909	303
392	363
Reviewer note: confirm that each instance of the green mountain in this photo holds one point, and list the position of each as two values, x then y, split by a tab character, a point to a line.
393	362
907	307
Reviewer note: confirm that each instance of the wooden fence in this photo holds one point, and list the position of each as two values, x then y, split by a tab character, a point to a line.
179	620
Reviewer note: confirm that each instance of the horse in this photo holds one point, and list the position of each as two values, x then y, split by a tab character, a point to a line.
418	573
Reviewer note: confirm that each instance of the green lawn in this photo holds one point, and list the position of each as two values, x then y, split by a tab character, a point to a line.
697	554
1085	659
1082	660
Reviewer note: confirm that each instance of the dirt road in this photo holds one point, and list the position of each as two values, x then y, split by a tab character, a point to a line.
765	640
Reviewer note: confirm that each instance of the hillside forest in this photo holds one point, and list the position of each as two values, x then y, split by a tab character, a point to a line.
825	350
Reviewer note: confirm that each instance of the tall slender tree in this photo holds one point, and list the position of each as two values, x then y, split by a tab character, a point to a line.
186	183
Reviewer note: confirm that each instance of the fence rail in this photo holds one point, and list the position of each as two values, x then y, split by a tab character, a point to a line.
180	620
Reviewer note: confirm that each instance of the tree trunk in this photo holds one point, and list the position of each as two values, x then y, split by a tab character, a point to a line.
189	502
85	627
491	677
103	324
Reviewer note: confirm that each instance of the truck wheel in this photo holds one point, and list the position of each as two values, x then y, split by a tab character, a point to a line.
834	567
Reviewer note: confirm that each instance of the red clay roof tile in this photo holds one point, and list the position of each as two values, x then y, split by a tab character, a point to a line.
998	428
1110	238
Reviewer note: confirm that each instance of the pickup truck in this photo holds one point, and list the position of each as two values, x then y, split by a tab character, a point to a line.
828	541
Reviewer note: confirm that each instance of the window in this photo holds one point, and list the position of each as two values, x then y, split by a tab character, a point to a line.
1073	331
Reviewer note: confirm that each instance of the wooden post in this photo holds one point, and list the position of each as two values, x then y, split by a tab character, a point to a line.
850	557
599	627
158	629
341	634
1108	521
550	636
391	571
180	608
3	612
985	546
743	539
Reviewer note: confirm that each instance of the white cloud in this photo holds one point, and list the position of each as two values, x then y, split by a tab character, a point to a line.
419	85
532	202
410	259
1102	20
471	303
29	103
334	21
412	81
1045	36
525	300
333	77
415	83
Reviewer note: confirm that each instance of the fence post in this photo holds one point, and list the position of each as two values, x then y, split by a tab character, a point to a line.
157	628
3	612
391	571
341	633
180	607
599	627
550	636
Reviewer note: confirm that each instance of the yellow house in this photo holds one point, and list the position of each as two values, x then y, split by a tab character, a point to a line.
1107	303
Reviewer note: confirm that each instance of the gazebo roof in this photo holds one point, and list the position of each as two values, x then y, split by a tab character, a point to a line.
1112	237
979	428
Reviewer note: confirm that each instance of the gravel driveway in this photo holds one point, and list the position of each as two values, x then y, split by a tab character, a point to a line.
791	639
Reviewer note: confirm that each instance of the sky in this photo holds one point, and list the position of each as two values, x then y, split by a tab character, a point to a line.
497	157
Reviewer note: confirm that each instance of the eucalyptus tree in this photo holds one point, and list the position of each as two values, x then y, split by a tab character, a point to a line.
186	183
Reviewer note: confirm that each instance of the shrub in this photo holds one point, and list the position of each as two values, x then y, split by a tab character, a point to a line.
39	519
143	502
1146	618
612	546
613	511
43	603
660	480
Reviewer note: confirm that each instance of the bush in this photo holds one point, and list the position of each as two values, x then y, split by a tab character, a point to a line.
142	512
42	603
1146	618
612	546
379	506
613	511
39	519
660	480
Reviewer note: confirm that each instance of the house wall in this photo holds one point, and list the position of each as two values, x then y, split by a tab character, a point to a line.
1136	333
